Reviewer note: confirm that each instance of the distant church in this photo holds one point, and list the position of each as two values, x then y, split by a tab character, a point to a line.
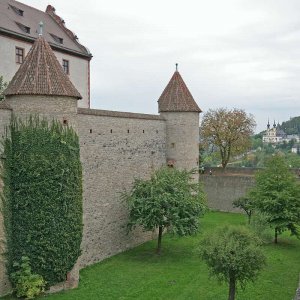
274	135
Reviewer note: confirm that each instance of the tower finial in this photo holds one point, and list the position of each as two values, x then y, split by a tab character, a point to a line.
176	67
41	28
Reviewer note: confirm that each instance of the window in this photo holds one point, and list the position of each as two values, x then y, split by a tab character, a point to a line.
66	66
19	55
18	11
57	39
24	28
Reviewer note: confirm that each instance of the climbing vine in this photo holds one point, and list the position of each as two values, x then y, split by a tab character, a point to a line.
42	197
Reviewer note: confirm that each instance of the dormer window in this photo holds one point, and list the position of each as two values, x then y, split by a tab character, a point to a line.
18	11
24	28
57	39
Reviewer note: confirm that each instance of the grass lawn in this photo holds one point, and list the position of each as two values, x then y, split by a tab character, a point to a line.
179	273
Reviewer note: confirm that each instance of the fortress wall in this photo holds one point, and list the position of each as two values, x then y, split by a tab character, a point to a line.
115	149
222	190
5	116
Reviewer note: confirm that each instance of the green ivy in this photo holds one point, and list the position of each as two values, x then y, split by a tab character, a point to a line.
42	178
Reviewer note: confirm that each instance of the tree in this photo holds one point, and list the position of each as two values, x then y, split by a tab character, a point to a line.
169	199
229	130
245	203
233	256
3	86
277	196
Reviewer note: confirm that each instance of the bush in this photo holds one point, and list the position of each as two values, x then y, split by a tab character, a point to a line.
26	284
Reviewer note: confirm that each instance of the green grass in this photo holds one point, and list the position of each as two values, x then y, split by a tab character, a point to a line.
179	273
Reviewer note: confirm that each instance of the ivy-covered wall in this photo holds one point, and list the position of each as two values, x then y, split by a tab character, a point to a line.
42	177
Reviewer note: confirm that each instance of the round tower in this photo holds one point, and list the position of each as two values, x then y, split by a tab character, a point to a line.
40	87
178	107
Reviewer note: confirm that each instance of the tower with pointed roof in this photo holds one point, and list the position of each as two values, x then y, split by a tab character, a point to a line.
178	107
41	87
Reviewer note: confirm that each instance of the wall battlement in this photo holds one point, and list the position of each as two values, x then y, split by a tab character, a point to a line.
118	114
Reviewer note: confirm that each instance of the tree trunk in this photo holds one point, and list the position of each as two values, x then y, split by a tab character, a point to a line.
249	218
276	236
231	295
160	230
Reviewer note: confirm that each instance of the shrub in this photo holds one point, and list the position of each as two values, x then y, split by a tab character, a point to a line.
26	284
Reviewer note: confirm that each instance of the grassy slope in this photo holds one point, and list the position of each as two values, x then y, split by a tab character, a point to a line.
179	274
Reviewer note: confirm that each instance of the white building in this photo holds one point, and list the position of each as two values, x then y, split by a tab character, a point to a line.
273	135
18	30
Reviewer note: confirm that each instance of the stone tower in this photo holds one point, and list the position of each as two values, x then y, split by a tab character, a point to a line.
41	87
178	107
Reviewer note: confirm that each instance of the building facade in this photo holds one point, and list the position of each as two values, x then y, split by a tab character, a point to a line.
19	28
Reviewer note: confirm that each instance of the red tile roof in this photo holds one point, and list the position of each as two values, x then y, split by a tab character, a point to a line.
177	97
41	74
10	23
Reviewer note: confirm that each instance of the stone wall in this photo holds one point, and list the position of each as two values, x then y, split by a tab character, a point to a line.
115	148
4	282
222	190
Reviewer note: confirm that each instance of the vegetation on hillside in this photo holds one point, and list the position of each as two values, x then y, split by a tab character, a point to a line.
258	153
291	126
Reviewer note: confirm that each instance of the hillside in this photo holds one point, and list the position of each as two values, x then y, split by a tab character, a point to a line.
292	126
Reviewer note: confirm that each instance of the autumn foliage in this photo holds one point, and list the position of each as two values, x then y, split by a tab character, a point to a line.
228	130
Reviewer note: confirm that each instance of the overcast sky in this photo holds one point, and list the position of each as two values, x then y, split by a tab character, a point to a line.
234	53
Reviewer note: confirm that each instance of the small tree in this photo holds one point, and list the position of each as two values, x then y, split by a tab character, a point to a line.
277	196
229	130
169	199
233	256
246	204
3	86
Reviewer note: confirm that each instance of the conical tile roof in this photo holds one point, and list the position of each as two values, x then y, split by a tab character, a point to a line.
41	74
177	97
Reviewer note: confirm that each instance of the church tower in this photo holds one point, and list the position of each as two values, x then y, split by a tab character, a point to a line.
178	107
41	87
